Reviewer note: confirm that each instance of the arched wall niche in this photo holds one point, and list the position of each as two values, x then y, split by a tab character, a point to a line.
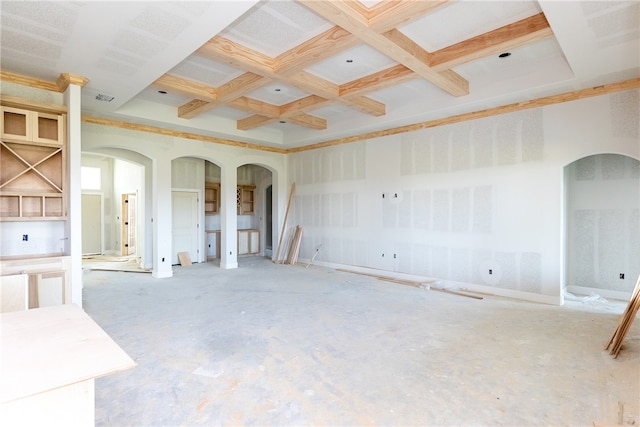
602	214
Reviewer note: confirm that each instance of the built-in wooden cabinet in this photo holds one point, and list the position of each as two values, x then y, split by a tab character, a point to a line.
245	197
48	278
211	198
248	242
32	163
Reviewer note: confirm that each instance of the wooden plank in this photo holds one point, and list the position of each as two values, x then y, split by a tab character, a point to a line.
254	121
184	259
309	121
186	87
47	348
525	31
30	104
389	77
284	223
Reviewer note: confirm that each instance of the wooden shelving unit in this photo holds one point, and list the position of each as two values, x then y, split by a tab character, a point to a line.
245	198
211	198
33	163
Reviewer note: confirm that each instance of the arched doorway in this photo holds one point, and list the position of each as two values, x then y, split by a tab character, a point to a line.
603	225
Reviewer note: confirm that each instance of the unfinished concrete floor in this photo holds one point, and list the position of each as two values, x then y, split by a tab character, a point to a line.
270	344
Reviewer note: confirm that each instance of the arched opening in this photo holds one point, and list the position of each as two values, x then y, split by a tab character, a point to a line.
602	225
113	209
255	210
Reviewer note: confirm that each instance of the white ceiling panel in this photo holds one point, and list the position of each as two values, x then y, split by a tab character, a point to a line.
458	21
351	64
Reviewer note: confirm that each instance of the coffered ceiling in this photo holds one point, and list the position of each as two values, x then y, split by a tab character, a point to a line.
285	73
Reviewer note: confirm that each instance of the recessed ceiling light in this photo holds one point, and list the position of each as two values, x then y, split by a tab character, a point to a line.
163	92
277	89
105	98
504	54
282	121
349	61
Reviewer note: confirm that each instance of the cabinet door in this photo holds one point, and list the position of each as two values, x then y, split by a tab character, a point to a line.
47	128
16	124
254	241
243	242
51	289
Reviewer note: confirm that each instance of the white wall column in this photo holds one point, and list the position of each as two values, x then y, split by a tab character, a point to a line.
228	217
72	85
161	218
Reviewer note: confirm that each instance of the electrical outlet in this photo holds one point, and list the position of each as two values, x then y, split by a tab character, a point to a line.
162	259
25	237
622	276
490	271
394	256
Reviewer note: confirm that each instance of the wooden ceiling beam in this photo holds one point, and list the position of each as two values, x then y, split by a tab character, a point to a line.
314	50
309	121
525	31
389	77
186	87
239	56
308	103
235	88
343	14
219	48
387	15
254	121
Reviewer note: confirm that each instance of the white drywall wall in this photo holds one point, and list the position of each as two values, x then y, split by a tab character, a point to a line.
456	201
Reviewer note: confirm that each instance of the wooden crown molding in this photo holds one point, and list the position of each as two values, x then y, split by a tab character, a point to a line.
67	79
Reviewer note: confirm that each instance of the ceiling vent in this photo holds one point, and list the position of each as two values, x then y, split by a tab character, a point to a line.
105	98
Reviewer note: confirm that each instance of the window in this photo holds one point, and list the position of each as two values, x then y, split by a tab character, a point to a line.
90	178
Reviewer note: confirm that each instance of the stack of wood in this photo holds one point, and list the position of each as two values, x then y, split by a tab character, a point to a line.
293	249
615	343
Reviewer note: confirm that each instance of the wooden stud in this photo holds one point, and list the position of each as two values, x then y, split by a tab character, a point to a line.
284	223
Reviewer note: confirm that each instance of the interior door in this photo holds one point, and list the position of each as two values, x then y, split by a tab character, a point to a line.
128	226
184	205
91	224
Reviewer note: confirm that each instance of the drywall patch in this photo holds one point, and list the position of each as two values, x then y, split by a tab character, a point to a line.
531	272
506	262
336	210
422	260
482	209
422	154
532	135
440	148
440	261
406	156
441	216
389	213
460	261
585	168
506	140
482	142
613	166
405	208
461	210
611	249
461	147
582	252
421	209
349	210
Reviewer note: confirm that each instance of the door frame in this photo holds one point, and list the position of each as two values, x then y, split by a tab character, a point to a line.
200	232
101	194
